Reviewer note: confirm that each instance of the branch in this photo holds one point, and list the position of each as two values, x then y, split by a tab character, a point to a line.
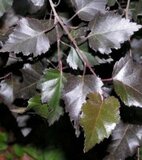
82	57
127	9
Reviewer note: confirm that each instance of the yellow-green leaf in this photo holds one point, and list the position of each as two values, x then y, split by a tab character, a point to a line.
99	118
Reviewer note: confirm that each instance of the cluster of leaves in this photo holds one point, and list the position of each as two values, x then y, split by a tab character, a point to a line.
16	152
57	62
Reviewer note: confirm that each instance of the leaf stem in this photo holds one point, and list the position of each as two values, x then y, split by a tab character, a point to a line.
107	80
127	9
58	48
82	57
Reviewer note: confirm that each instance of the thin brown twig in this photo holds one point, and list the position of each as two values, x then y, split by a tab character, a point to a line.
5	76
107	80
58	48
127	9
127	17
83	57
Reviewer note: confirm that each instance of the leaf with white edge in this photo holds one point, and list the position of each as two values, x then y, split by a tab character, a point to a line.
99	60
126	138
109	31
39	108
99	118
28	37
4	5
127	77
75	92
87	9
74	60
51	85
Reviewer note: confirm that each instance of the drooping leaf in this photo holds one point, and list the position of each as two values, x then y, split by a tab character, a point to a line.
39	108
21	87
51	88
109	31
74	95
127	77
28	37
30	77
125	140
4	5
98	119
87	9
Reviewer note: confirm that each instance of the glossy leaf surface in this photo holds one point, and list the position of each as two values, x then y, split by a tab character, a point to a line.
75	93
51	89
86	9
127	77
99	118
28	38
109	31
39	108
125	140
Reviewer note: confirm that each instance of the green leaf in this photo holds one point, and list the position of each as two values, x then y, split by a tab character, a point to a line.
99	118
33	152
111	2
136	9
126	138
4	5
109	31
51	88
18	150
39	108
75	92
127	77
54	154
3	141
